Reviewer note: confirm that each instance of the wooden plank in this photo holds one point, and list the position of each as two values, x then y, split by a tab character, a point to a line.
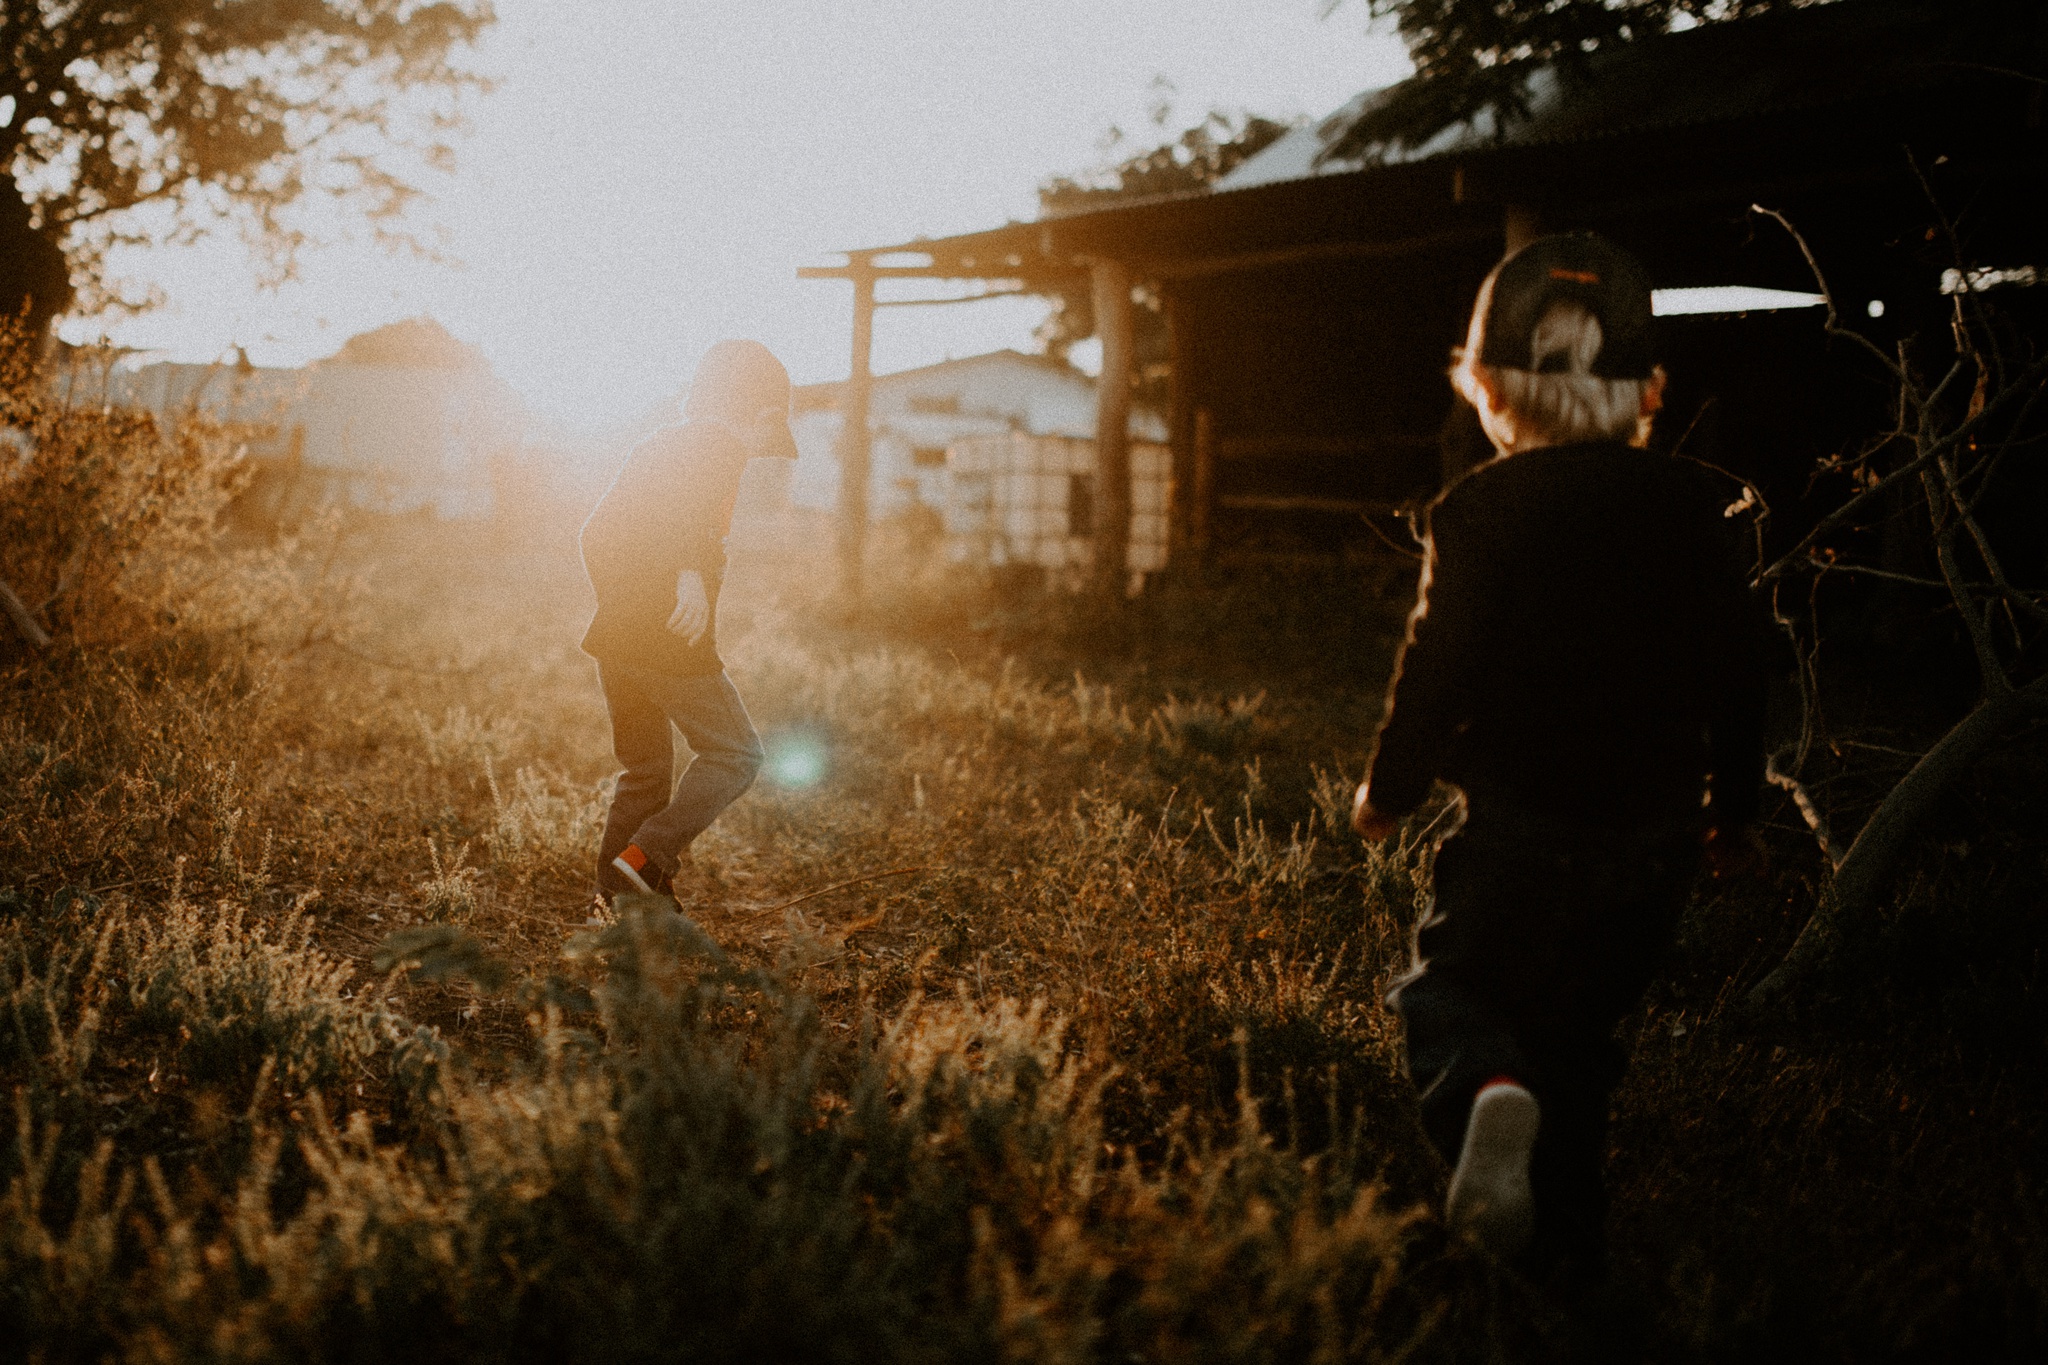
1253	502
1202	505
1308	254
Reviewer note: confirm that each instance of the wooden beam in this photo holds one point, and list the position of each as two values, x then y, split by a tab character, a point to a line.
1198	267
879	272
855	443
964	298
1112	295
994	270
1255	502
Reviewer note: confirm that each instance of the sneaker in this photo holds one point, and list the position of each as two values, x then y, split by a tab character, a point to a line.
1491	1198
642	873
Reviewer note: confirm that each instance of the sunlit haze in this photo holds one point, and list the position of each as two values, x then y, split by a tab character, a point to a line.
646	177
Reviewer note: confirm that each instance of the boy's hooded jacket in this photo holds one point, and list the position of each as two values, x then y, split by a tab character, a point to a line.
669	510
1587	645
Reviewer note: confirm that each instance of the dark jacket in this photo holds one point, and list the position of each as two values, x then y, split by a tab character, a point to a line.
669	510
1586	647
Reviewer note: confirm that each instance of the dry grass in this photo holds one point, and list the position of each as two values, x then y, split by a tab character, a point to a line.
1100	1073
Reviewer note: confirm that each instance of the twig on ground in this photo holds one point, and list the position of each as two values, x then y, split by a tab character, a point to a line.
24	620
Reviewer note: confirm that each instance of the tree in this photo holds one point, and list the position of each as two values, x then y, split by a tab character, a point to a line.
1476	55
1192	159
203	111
1966	411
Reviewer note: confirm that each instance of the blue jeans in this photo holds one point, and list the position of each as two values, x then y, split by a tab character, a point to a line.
646	810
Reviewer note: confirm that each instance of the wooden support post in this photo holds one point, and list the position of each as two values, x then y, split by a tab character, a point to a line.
855	442
1180	427
1112	290
1202	498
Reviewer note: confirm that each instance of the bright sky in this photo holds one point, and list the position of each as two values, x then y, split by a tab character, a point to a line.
648	175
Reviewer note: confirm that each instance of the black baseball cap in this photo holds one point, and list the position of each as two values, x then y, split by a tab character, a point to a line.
738	379
1568	267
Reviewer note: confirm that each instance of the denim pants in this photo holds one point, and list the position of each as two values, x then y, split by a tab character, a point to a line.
646	810
1541	936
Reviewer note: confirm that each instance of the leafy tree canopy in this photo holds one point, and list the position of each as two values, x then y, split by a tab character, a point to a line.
128	120
1473	55
1192	159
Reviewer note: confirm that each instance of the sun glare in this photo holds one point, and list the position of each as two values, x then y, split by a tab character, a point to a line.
796	759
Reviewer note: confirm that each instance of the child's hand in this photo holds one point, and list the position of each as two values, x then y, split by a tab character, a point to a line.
1371	825
693	609
1737	853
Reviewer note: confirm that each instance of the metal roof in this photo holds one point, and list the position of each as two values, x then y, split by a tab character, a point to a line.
1870	60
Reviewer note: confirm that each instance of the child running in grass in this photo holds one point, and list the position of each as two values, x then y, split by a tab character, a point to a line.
655	553
1585	662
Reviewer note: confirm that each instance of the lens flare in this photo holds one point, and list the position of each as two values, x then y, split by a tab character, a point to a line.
796	759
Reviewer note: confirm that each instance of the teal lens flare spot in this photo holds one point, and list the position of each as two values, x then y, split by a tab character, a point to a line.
795	760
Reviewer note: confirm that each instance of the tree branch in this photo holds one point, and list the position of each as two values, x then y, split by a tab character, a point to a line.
2005	589
1808	811
1989	667
1833	326
2033	374
1862	876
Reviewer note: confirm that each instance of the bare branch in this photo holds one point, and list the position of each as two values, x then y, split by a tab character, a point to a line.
2033	375
1975	620
1861	877
1808	811
1833	325
2013	596
1819	565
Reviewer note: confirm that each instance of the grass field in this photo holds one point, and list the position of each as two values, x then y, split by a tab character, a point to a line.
1028	1008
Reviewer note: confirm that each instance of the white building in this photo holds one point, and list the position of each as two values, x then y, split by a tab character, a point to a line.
916	415
1021	499
401	419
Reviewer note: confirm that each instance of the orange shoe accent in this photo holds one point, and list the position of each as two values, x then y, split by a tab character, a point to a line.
634	857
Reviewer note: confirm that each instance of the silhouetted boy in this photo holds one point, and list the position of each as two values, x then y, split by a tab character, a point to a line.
1585	663
655	553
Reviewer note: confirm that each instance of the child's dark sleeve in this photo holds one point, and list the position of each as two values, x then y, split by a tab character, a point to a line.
705	496
1425	701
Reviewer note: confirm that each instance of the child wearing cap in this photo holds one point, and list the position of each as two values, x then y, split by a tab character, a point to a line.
655	552
1585	663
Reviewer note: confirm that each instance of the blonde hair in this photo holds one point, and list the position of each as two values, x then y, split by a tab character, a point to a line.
1561	400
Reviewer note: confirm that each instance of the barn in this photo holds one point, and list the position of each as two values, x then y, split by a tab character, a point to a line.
1314	295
